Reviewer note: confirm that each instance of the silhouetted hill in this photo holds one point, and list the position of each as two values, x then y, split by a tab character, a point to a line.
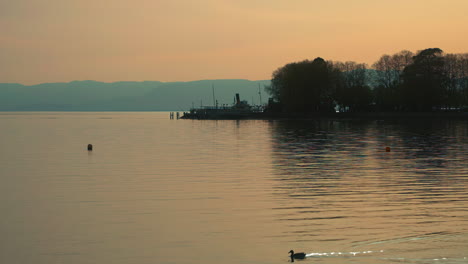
125	96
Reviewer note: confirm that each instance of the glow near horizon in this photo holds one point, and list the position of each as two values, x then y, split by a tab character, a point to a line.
182	40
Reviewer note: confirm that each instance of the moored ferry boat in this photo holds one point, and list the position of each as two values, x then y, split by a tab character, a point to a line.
240	110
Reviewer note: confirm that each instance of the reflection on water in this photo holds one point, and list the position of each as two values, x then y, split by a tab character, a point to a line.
338	186
156	190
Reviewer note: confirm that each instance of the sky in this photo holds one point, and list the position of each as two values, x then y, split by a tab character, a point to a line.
184	40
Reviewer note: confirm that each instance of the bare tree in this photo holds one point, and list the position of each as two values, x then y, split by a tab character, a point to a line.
390	67
456	87
354	93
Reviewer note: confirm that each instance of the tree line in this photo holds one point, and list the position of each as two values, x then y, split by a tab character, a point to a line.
429	80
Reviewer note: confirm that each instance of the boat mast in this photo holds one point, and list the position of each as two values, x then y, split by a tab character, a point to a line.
214	100
260	94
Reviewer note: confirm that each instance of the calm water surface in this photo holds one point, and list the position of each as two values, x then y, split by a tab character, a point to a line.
156	190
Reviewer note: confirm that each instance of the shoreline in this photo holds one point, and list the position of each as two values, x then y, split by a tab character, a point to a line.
348	115
373	115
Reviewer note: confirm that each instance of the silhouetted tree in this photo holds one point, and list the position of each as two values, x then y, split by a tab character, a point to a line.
388	90
354	93
423	81
463	78
456	85
303	86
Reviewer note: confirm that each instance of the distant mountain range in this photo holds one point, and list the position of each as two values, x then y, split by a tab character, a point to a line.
127	96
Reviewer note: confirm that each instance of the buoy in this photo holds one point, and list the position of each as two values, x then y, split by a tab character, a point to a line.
387	149
90	147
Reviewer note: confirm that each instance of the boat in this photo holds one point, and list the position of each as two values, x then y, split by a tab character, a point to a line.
239	110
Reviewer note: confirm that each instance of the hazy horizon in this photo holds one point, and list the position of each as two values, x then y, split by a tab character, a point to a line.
131	81
124	96
62	41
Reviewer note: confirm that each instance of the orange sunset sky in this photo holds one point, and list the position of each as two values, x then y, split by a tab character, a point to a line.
181	40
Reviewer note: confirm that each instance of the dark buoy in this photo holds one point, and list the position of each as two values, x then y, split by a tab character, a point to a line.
387	149
90	147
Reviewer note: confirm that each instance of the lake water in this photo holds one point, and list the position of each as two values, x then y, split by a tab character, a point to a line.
156	190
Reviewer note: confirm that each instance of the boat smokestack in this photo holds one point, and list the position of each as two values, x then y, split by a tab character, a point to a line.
237	98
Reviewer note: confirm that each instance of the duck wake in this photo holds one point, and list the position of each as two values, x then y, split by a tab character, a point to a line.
338	254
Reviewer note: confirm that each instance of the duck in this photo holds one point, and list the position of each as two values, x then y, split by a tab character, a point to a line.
300	255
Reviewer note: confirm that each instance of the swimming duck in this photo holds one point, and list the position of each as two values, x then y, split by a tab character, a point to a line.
301	255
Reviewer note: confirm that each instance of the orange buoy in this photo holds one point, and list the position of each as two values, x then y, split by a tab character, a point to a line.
387	149
90	147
